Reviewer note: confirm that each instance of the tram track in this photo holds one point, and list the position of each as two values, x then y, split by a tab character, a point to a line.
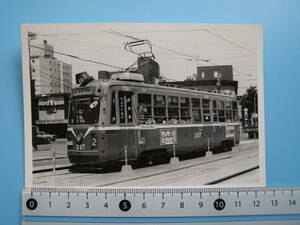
164	172
51	169
214	182
152	176
140	177
157	181
234	175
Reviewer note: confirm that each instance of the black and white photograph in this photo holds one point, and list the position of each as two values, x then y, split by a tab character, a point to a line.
143	105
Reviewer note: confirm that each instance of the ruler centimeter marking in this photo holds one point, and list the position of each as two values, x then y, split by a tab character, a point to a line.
160	202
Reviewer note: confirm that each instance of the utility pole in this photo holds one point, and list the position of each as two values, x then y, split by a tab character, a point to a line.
32	36
255	111
218	84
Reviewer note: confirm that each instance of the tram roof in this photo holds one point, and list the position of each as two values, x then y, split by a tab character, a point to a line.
111	83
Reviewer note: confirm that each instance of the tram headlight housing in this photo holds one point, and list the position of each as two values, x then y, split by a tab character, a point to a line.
79	138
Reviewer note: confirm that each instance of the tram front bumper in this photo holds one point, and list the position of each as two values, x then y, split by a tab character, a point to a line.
83	157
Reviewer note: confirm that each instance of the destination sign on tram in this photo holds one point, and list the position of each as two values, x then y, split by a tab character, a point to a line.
168	136
83	91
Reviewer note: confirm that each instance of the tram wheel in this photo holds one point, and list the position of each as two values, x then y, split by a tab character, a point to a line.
228	148
150	160
113	167
224	147
79	168
251	135
162	157
218	149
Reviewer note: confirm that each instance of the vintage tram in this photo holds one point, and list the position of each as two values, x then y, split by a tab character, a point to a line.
124	118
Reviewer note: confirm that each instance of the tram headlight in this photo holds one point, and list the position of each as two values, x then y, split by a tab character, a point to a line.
79	138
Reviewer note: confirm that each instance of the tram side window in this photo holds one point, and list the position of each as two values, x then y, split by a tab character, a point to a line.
235	111
159	108
206	110
196	110
221	111
228	111
215	112
185	109
125	106
113	118
173	109
144	108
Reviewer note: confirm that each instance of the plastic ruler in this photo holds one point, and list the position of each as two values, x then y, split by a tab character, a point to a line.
160	202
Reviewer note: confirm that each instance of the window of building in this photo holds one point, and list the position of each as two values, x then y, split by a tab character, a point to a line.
206	110
144	108
196	110
215	111
173	109
159	108
228	111
185	109
221	111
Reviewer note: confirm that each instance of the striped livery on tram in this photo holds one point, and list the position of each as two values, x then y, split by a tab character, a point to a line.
123	117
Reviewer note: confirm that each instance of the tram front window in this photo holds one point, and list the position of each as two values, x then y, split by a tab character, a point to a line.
83	111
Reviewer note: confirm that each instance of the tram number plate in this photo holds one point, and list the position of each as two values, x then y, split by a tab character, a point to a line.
229	132
80	147
198	133
168	136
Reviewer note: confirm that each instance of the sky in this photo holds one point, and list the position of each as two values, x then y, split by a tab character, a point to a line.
178	48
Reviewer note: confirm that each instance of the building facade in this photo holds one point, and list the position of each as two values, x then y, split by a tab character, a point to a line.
66	78
228	87
224	72
218	79
49	75
41	49
51	84
52	113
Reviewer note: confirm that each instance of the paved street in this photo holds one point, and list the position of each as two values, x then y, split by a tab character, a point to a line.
43	158
191	172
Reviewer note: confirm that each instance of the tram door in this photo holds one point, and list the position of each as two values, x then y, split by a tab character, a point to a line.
128	131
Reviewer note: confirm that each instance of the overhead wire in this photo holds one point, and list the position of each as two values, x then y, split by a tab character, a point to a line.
168	49
161	47
175	52
229	41
77	57
158	46
81	41
70	34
